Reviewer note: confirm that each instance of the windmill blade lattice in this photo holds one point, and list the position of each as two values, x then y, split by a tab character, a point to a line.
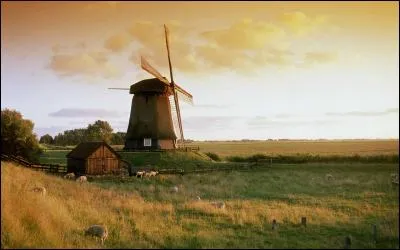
175	120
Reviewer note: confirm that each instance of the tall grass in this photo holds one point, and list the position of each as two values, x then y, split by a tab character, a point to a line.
308	158
143	213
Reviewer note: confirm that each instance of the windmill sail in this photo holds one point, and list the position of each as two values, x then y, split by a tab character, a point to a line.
146	66
183	95
173	85
175	121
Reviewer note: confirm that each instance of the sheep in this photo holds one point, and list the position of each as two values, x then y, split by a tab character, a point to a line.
81	179
140	174
219	204
41	190
175	189
98	231
328	177
395	178
198	198
69	176
151	173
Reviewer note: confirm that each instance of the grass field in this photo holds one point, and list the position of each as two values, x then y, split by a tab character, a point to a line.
364	148
143	213
332	147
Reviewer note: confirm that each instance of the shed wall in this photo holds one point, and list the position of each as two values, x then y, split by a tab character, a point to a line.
102	161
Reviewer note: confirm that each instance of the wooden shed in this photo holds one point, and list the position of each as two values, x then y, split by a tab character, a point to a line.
93	158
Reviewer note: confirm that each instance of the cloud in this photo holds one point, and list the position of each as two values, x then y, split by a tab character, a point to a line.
117	42
284	115
75	112
300	24
216	57
210	106
365	113
95	6
58	48
311	58
151	40
262	122
195	123
83	64
246	35
81	45
243	46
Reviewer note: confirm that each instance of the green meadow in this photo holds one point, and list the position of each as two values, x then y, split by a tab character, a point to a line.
339	198
144	213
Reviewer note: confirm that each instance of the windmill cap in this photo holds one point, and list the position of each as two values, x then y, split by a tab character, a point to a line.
152	85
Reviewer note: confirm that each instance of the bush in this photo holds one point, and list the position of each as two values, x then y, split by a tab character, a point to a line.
213	156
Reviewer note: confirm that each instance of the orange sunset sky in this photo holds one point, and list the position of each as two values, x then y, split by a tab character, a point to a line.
256	70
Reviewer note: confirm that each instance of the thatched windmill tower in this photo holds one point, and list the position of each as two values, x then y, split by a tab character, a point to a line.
155	119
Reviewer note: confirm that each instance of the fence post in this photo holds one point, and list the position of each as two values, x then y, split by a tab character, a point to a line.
347	242
304	221
374	233
274	224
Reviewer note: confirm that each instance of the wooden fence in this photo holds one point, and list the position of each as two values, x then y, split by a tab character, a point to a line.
56	168
52	168
184	148
238	167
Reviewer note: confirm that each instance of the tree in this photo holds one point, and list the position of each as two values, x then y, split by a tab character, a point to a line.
17	137
100	130
46	139
118	138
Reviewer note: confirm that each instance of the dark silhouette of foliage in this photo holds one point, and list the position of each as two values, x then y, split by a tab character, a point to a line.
46	139
99	131
118	138
17	137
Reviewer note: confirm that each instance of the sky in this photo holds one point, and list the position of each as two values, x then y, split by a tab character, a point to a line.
256	70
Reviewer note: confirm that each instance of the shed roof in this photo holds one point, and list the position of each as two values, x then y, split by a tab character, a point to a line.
85	149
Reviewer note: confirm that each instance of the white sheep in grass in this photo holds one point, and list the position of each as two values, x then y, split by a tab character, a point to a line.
198	198
175	189
81	179
328	177
69	176
41	190
218	204
395	178
151	173
140	174
98	231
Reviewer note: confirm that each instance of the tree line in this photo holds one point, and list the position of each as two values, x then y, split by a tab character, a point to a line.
18	138
98	131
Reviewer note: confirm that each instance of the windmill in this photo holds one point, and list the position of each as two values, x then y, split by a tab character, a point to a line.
155	119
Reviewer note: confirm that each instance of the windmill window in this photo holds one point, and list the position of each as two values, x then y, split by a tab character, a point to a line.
147	142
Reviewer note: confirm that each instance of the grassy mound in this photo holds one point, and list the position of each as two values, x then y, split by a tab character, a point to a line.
159	160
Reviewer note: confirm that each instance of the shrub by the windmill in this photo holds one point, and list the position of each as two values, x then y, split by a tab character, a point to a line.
155	118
